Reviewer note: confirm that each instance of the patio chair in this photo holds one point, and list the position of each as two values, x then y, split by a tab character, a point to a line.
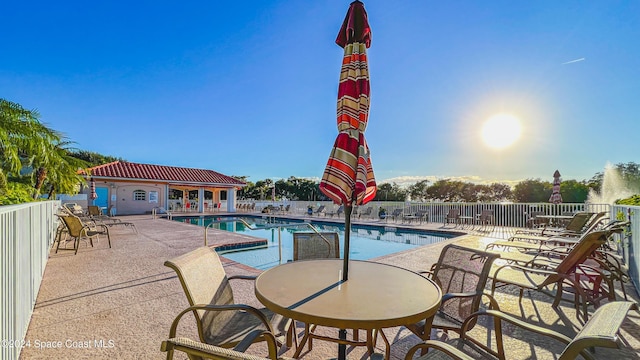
77	230
462	274
220	321
601	331
485	218
453	216
534	221
411	216
309	246
421	215
558	274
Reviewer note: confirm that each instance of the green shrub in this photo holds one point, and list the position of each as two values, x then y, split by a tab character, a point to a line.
633	201
16	193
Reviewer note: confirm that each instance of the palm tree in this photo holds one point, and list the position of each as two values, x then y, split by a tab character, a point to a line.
58	171
19	134
25	141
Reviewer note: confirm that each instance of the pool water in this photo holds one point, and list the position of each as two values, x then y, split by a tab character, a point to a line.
366	242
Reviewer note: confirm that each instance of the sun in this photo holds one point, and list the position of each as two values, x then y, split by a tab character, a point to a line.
501	131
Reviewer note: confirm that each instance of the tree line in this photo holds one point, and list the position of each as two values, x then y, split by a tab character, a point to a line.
444	190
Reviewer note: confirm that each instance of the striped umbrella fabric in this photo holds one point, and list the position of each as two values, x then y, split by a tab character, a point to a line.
92	190
348	177
556	197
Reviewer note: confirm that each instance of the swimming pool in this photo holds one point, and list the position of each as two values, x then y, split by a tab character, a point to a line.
367	241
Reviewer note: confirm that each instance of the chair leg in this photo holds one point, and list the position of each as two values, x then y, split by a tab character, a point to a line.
58	247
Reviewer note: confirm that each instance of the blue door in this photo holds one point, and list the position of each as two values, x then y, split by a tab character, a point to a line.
103	197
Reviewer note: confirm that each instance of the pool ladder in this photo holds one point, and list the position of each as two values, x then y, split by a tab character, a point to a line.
274	226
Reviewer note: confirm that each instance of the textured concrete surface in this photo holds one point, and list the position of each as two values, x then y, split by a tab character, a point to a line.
118	303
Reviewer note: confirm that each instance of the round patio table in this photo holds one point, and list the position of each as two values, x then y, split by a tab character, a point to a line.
376	296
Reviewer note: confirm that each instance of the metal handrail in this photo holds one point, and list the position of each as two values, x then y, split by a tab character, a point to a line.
274	226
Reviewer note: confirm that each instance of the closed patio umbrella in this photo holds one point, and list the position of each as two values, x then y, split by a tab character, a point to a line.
348	177
556	197
92	190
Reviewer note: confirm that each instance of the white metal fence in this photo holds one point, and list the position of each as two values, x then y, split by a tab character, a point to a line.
505	214
26	233
630	240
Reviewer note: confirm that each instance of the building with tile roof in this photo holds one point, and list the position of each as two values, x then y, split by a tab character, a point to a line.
133	188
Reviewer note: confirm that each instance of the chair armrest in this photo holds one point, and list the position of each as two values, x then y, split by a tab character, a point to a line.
204	350
451	351
524	269
232	307
94	227
493	304
517	322
242	277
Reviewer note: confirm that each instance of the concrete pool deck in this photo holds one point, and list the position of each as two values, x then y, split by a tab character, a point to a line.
118	303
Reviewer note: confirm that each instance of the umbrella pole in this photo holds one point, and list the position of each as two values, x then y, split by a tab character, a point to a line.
342	334
347	237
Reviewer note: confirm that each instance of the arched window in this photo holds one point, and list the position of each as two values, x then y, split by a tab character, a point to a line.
140	195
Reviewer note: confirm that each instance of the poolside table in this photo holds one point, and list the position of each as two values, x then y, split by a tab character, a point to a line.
376	296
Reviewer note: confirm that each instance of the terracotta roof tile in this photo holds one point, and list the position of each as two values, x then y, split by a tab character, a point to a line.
129	170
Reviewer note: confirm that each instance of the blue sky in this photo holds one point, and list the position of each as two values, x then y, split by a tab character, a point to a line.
249	88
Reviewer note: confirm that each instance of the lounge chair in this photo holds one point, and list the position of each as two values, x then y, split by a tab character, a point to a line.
366	213
462	274
555	274
96	215
542	243
338	212
397	213
220	321
577	225
602	330
320	210
453	216
75	209
78	230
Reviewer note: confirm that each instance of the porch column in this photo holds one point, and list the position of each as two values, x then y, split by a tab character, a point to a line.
231	200
201	200
166	197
